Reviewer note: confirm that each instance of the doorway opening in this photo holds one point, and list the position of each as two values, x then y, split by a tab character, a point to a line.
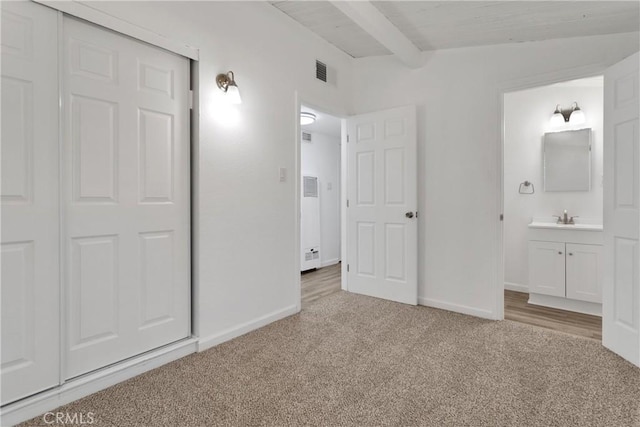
320	204
553	206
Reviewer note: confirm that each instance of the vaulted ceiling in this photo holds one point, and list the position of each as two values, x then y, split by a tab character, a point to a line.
431	25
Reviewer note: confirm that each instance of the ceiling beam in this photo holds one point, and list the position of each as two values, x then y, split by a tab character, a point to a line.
370	19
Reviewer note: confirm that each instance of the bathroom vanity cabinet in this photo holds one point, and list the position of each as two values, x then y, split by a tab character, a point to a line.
566	267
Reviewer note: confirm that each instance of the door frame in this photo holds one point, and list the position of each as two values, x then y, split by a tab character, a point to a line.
529	82
301	100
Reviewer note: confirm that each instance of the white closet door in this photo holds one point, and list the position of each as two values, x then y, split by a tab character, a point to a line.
126	190
30	264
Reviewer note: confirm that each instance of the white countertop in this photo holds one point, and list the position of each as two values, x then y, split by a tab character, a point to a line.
580	225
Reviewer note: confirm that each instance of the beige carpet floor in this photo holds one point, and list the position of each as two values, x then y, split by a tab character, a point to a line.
350	360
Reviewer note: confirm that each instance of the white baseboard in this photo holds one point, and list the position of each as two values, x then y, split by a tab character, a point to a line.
329	262
458	308
516	287
231	333
48	400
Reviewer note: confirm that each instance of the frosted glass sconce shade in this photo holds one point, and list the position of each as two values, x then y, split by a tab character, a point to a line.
227	84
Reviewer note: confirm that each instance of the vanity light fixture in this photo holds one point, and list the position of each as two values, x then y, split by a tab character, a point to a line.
557	119
307	118
573	115
227	84
577	115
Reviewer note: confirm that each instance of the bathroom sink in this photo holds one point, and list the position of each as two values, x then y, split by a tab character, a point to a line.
583	226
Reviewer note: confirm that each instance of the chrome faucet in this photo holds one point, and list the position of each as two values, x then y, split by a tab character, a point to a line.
565	219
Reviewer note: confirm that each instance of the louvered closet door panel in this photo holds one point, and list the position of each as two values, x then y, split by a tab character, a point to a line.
30	264
126	193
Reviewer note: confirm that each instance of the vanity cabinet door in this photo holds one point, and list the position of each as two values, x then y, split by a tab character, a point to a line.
546	268
584	272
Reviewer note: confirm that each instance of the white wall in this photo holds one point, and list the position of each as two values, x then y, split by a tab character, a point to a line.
321	158
526	119
246	261
459	174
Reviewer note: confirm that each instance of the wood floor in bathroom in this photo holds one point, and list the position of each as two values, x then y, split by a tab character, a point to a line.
516	308
325	281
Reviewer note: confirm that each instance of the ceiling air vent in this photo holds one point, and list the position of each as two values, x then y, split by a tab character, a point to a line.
321	71
306	136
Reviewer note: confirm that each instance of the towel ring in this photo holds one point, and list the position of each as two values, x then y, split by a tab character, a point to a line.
523	188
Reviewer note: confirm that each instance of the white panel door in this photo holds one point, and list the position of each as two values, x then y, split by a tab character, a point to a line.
621	287
30	263
125	168
584	272
382	228
547	268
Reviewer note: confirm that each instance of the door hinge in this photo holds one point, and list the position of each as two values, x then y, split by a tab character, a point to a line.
501	217
347	268
347	202
347	138
191	100
416	214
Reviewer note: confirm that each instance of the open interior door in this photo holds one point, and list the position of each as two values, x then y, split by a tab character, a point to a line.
382	224
621	290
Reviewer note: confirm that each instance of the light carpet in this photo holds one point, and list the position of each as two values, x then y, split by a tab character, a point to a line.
351	360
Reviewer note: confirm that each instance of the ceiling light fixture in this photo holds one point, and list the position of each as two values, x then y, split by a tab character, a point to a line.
307	118
573	115
227	84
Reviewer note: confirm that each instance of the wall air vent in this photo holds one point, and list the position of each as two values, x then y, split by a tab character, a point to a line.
310	186
306	136
321	71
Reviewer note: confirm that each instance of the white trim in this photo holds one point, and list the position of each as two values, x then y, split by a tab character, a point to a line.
329	262
88	13
91	383
236	331
344	175
562	303
508	286
194	167
457	308
297	176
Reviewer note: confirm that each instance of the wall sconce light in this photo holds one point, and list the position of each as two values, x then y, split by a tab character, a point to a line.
307	118
573	115
227	84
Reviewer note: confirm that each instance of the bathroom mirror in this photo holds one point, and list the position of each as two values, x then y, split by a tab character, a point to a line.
567	160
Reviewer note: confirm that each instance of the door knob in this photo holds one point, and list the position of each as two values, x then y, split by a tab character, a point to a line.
409	214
